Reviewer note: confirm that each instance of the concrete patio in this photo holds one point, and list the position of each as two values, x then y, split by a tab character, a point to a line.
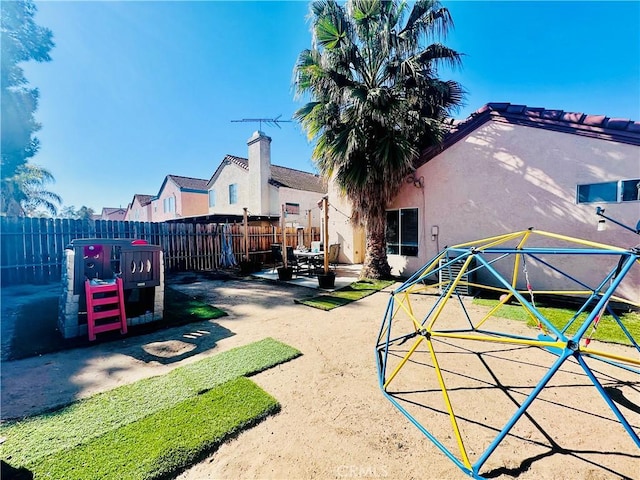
345	275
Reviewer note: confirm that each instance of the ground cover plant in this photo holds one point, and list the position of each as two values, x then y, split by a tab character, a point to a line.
607	331
345	295
164	442
31	440
37	334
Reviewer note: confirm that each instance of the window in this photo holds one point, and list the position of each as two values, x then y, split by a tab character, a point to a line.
212	198
630	190
292	208
402	232
169	204
620	191
233	193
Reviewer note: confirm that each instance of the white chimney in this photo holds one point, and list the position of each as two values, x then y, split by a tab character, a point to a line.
259	172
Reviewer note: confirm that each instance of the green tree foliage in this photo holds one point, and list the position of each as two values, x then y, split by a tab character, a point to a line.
25	193
83	213
22	40
375	101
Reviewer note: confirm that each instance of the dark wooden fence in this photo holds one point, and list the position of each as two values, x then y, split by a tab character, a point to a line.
32	249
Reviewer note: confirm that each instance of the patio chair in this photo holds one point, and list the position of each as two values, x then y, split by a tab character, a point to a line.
334	254
293	261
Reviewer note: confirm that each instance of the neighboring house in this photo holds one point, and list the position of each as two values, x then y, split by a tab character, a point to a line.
139	210
179	197
112	213
264	188
509	167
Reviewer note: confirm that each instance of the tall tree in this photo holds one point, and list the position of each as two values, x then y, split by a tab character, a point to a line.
22	40
83	213
25	192
375	101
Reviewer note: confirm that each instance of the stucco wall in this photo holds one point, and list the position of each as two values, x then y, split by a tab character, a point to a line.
503	178
306	200
138	213
187	203
230	174
350	238
191	204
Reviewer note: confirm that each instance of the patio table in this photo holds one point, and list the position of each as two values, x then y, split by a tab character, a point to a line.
312	258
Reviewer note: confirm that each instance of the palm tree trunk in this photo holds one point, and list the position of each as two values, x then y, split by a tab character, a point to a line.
376	264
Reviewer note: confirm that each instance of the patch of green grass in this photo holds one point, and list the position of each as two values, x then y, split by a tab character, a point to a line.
608	329
345	295
165	442
34	438
180	308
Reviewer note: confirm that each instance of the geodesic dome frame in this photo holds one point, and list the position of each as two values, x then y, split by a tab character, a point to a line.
456	268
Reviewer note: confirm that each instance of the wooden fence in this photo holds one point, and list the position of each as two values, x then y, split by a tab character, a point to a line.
32	249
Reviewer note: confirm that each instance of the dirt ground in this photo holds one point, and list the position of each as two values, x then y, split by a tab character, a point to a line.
335	422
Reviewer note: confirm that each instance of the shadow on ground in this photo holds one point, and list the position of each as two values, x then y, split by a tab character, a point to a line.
30	324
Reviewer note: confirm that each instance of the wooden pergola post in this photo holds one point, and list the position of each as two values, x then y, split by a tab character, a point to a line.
246	234
284	237
325	207
309	227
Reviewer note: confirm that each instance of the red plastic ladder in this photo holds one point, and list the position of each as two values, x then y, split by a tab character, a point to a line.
105	302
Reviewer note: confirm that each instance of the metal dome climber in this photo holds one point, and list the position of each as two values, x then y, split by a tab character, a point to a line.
437	339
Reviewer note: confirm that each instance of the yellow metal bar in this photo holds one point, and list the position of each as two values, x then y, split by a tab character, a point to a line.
452	416
492	311
612	356
402	362
580	241
409	312
515	341
450	291
494	240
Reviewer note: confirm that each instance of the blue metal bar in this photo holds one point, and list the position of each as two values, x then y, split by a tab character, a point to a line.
593	295
532	396
607	399
390	315
435	441
624	329
564	274
556	251
605	297
522	300
612	362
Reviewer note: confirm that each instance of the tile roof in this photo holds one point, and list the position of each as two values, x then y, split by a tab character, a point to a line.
111	210
296	179
189	182
143	199
280	176
596	126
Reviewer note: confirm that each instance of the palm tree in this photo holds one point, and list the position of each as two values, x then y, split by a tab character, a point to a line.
375	101
25	192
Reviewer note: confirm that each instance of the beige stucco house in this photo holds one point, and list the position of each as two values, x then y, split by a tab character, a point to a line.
263	188
139	210
112	213
507	168
179	197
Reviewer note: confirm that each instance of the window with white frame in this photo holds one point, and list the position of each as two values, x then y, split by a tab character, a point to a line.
402	232
233	193
212	198
169	204
617	191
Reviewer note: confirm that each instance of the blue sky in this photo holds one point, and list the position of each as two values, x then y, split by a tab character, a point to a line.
140	90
